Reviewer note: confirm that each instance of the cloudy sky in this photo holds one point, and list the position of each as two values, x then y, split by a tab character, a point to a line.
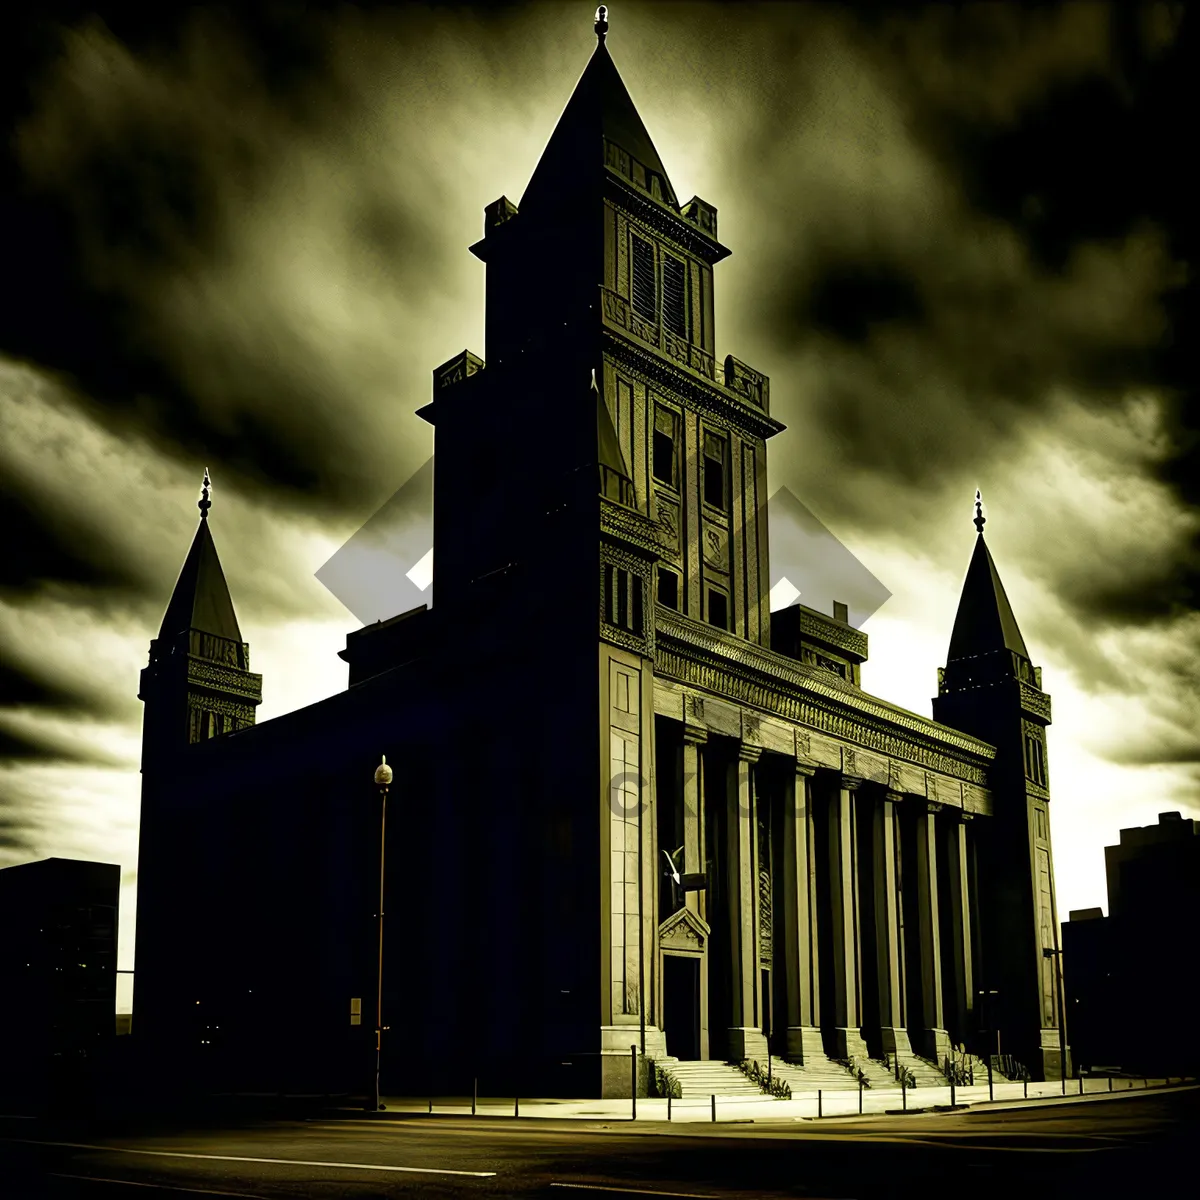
238	238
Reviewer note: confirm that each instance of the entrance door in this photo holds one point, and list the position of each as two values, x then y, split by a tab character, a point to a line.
681	1005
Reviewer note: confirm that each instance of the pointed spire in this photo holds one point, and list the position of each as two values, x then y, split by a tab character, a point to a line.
599	111
985	622
204	503
201	599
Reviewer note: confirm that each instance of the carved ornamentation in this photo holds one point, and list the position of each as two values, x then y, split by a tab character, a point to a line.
715	553
684	930
745	380
668	522
619	523
1034	702
201	673
674	228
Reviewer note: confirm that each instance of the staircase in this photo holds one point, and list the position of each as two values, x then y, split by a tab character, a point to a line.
816	1073
701	1078
878	1074
924	1072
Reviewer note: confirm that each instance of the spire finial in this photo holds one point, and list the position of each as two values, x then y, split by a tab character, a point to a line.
601	23
204	503
980	519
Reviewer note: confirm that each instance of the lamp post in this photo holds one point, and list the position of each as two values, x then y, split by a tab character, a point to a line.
383	778
1055	952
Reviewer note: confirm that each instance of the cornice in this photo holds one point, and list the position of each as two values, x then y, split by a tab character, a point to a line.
704	394
1034	701
825	629
693	652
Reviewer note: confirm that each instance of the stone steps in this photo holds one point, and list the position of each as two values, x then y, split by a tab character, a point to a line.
701	1078
923	1071
816	1073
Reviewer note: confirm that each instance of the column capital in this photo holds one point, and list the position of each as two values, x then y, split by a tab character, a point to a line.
933	806
696	734
748	752
963	815
850	783
806	769
893	797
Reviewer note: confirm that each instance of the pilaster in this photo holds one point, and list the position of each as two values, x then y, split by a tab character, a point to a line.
746	1038
799	909
958	886
843	861
885	847
936	1039
694	737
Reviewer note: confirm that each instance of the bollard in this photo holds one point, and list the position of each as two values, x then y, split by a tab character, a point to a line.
991	1092
474	1095
1025	1082
904	1095
633	1093
1110	1083
714	1108
668	1106
951	1094
860	1097
516	1106
1081	1085
431	1104
818	1102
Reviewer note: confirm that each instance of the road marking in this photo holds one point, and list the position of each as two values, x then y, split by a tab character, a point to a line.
166	1187
286	1162
633	1191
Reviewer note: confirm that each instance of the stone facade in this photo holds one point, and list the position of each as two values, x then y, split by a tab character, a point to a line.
644	816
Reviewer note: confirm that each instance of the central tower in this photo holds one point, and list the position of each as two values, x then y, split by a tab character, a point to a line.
594	467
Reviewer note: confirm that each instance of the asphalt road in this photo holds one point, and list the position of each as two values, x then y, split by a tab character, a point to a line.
1097	1148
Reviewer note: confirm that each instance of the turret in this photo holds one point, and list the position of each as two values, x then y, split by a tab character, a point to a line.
990	688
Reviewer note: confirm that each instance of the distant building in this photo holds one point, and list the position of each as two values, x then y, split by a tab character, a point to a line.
58	957
1138	957
633	807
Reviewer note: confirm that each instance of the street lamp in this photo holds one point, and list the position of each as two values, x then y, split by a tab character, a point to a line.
383	778
1055	953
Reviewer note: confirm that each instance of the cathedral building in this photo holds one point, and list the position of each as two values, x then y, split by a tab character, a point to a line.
636	816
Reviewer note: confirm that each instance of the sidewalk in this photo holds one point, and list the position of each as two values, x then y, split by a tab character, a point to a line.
802	1107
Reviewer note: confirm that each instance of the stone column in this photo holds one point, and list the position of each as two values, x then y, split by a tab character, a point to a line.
935	1038
843	891
746	1038
798	905
958	886
885	846
694	736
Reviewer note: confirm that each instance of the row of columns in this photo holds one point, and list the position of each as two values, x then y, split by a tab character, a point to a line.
796	882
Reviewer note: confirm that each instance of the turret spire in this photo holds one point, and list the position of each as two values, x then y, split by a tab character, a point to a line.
601	23
980	519
204	503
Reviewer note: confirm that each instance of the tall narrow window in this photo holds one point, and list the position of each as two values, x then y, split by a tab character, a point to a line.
623	602
718	609
674	295
715	490
645	291
666	446
668	588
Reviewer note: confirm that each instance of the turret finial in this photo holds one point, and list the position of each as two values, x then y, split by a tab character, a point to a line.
980	519
601	23
204	503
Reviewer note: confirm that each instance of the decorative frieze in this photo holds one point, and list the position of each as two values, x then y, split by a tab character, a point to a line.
627	525
704	657
201	673
819	628
748	382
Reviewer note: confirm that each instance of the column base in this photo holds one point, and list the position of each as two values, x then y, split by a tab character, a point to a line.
937	1045
1054	1063
895	1041
747	1044
805	1044
849	1043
